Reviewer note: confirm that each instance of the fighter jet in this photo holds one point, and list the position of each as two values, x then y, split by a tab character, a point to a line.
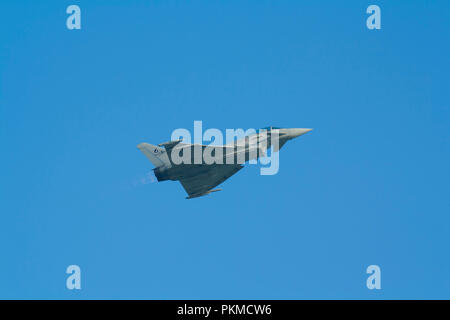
199	175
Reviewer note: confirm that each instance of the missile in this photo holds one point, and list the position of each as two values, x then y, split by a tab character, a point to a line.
202	194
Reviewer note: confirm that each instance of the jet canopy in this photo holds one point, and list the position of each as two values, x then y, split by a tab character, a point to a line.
268	128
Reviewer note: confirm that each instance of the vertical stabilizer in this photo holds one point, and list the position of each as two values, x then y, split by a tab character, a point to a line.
157	155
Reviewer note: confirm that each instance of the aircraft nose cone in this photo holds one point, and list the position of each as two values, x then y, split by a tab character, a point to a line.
294	133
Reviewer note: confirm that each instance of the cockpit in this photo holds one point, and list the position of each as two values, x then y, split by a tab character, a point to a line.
268	129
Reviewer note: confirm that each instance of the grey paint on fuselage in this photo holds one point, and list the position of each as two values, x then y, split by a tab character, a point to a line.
199	179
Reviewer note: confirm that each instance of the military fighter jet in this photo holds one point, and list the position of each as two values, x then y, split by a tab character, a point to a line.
198	175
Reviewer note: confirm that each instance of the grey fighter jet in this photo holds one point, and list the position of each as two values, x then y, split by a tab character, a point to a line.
200	168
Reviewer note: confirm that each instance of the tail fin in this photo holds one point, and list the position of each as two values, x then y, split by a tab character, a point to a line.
157	155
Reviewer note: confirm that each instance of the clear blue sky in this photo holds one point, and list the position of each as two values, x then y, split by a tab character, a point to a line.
370	184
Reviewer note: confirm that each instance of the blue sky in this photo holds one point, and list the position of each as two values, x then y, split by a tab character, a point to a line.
370	184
